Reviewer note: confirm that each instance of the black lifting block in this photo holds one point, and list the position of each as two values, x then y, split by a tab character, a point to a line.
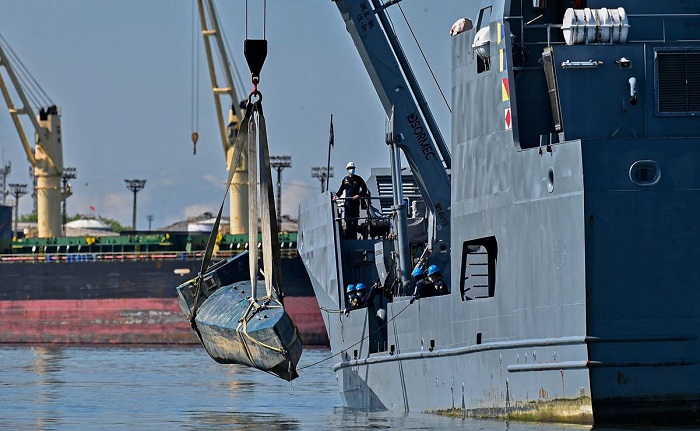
255	51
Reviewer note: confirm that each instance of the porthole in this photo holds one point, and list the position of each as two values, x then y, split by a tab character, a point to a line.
645	173
550	180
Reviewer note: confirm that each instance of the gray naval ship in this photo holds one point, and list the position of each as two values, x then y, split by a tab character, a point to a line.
563	216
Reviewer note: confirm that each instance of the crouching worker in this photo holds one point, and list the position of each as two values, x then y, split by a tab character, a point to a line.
432	285
435	277
351	298
357	296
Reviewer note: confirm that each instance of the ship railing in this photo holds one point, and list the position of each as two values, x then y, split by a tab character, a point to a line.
123	256
658	28
377	219
414	204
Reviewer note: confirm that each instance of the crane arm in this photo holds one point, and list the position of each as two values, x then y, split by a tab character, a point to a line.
212	29
228	127
415	131
15	113
46	158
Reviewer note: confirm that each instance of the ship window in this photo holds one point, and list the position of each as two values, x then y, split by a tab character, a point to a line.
645	173
478	277
678	82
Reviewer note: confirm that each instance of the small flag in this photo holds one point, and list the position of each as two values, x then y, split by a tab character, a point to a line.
508	122
331	137
505	90
503	60
92	208
499	27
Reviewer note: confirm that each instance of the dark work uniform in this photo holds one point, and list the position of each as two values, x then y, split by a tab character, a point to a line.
352	185
426	288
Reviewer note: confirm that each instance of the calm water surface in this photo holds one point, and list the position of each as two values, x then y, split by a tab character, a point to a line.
154	388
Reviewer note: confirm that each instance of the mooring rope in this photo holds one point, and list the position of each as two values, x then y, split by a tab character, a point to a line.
358	342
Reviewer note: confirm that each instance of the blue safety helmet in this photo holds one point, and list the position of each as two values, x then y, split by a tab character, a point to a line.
351	288
432	269
417	271
360	286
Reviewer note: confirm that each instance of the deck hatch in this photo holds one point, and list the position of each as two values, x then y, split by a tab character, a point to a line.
678	75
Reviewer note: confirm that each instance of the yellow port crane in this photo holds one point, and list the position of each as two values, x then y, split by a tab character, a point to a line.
226	95
46	158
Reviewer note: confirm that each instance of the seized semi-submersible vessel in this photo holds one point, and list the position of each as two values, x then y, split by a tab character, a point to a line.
563	216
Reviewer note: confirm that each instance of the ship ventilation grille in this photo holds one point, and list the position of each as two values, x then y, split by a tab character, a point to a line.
385	189
679	81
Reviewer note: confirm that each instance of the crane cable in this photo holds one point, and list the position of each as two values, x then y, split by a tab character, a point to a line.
194	84
35	93
264	18
425	59
255	50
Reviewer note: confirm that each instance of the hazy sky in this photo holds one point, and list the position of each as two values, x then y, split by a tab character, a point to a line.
121	73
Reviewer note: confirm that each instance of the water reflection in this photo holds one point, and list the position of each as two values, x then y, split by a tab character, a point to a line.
246	420
108	388
47	366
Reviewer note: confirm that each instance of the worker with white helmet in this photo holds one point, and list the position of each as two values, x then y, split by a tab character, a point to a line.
354	188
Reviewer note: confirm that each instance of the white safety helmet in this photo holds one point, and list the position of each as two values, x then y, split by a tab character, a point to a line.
350	165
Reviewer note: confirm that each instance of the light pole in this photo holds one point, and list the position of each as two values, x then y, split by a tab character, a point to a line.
17	190
4	172
150	220
67	175
135	186
279	163
322	173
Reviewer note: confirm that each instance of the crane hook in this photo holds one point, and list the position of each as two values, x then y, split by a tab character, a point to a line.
195	138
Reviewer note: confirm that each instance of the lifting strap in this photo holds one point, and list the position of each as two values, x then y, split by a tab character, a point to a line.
238	147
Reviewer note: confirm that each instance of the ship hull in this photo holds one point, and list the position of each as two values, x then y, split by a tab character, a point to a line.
122	301
539	350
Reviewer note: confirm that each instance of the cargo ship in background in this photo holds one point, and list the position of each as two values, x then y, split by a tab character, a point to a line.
107	289
101	288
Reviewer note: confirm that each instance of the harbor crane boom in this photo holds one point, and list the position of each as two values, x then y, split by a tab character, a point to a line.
227	94
46	158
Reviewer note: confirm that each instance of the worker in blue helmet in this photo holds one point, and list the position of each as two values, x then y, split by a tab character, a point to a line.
419	277
435	277
418	273
361	295
351	292
432	285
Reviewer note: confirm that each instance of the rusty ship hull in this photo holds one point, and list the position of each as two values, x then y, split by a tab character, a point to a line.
118	299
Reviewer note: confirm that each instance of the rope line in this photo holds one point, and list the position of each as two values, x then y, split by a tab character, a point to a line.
420	48
250	337
329	310
358	342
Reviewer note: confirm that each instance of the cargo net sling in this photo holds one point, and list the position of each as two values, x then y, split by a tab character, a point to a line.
232	322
